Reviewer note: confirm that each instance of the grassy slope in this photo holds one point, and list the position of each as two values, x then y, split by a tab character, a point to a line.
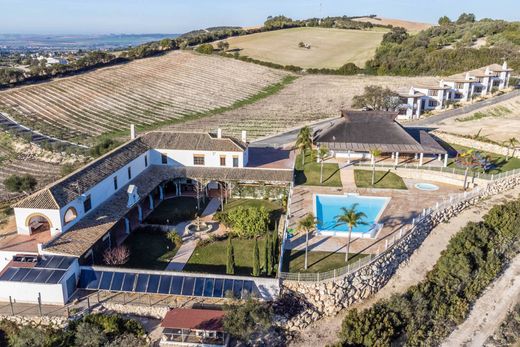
294	261
330	48
500	161
383	179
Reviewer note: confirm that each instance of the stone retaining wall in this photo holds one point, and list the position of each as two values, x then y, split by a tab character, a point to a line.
327	298
54	321
483	146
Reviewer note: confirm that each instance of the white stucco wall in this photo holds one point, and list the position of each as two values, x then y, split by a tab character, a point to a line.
185	158
22	215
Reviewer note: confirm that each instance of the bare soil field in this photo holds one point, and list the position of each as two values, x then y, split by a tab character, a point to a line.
144	92
309	98
408	25
499	122
330	48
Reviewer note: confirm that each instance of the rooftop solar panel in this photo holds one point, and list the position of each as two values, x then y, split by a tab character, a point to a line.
228	287
164	286
31	276
106	280
54	262
94	282
142	283
128	283
176	287
218	291
117	281
153	284
55	277
248	287
20	274
6	276
199	286
208	287
237	288
187	287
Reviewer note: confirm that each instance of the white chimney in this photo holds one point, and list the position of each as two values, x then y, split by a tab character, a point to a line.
132	131
441	83
244	136
412	91
488	71
504	66
468	76
133	196
219	133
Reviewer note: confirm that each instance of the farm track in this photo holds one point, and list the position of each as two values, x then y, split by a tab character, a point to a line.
143	92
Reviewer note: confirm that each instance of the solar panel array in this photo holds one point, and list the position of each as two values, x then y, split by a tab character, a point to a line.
164	284
54	262
32	275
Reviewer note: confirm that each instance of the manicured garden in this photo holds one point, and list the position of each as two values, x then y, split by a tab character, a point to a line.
310	172
499	162
294	261
383	180
176	210
149	249
211	257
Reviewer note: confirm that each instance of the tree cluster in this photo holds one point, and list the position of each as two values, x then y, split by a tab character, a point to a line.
247	222
20	183
93	330
376	98
245	319
431	310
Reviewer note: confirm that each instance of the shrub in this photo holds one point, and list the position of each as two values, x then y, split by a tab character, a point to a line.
29	336
242	320
246	222
127	340
256	259
175	238
230	263
20	184
205	48
89	335
116	256
105	146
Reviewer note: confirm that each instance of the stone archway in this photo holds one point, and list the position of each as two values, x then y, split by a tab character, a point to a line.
38	223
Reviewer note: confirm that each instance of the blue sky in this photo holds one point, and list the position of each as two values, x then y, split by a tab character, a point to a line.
177	16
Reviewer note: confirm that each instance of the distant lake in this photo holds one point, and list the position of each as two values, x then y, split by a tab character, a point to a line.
19	42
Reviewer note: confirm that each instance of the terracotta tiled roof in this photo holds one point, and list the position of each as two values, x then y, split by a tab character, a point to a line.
82	236
192	142
185	318
70	187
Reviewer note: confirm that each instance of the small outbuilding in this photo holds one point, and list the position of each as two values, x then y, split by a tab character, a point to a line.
194	327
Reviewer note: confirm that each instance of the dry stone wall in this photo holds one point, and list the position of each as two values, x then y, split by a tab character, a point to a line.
483	146
327	298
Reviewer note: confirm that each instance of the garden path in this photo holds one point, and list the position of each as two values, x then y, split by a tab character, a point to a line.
183	255
212	207
411	272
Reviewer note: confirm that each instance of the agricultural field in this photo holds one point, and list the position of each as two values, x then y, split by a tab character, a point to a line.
408	25
146	92
497	123
309	98
329	48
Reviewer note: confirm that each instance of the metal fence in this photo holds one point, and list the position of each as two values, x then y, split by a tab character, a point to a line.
390	240
452	170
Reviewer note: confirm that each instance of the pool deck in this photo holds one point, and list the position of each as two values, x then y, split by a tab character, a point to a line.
402	208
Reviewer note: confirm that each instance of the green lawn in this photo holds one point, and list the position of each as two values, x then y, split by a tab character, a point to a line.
500	162
383	179
149	249
212	257
310	174
294	261
176	210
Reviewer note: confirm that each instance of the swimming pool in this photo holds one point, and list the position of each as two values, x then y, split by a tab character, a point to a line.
327	207
427	187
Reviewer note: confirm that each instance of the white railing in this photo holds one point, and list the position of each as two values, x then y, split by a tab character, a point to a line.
389	241
452	170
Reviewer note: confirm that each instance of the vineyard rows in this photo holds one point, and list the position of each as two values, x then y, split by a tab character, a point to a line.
142	92
309	98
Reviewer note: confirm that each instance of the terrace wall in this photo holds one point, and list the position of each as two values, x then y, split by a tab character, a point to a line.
483	146
327	298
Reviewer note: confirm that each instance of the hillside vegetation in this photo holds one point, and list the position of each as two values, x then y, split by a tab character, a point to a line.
327	47
449	48
148	93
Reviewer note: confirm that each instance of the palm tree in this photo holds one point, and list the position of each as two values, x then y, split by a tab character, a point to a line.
468	161
323	152
307	224
511	145
375	153
304	142
351	218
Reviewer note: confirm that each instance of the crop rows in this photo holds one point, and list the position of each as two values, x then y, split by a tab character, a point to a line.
309	98
142	92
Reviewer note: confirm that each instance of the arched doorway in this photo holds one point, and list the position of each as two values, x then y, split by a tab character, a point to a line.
38	223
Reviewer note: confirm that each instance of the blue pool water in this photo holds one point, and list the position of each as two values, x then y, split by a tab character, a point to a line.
329	206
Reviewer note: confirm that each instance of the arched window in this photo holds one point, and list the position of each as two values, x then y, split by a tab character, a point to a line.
70	215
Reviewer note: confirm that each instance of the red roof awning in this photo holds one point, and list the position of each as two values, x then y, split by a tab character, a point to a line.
182	318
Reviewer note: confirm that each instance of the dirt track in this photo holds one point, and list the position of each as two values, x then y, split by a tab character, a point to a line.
410	273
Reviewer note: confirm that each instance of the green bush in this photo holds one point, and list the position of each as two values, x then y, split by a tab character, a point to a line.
104	146
431	310
205	48
246	221
243	319
20	184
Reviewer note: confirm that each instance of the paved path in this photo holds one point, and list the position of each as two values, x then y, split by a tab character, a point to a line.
183	255
211	208
490	309
411	272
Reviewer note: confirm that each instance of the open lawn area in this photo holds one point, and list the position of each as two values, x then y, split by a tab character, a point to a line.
310	174
176	210
294	261
149	249
383	179
499	161
212	257
330	48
